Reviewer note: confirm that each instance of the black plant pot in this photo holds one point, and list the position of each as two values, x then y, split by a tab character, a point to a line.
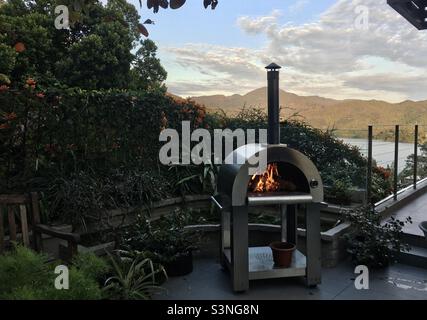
181	266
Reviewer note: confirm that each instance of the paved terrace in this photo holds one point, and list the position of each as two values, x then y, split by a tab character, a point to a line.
208	281
399	281
417	210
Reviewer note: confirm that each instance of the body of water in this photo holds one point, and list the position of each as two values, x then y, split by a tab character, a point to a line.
383	151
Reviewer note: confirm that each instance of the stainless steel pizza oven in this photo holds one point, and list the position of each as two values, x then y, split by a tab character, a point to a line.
290	182
290	177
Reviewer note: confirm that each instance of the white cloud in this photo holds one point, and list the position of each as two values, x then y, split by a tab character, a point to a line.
298	6
326	57
259	24
223	69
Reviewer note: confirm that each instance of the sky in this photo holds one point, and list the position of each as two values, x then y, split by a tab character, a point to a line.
342	49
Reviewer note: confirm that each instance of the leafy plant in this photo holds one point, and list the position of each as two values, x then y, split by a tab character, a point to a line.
374	243
200	179
339	192
134	276
92	266
167	239
381	183
25	274
88	200
20	268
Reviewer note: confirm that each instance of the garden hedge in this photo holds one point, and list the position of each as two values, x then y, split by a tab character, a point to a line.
78	147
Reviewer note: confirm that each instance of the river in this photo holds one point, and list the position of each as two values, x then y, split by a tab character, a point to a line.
383	151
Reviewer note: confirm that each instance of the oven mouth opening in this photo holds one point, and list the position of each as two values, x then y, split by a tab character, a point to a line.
279	178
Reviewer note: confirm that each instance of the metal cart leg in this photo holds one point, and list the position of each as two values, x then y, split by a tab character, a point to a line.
240	250
291	224
314	262
225	236
284	220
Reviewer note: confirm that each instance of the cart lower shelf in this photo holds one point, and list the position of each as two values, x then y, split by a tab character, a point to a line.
261	265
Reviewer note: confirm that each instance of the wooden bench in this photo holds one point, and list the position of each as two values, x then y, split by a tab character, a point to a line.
28	228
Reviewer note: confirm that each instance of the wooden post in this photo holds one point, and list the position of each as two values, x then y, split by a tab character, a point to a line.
24	226
1	230
12	223
37	237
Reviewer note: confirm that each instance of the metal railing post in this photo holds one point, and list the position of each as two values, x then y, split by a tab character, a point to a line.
396	161
369	173
415	156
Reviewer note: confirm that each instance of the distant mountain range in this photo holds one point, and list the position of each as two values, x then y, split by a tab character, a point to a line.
328	113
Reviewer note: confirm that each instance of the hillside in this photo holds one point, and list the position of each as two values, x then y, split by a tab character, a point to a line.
327	113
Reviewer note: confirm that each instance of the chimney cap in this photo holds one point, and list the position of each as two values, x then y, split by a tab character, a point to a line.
273	66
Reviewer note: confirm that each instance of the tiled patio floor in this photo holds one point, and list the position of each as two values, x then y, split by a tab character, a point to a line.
209	281
417	210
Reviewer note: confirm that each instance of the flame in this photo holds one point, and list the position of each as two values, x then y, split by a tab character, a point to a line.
266	182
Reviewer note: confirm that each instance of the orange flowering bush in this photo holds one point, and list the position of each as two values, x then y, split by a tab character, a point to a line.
4	126
30	83
66	130
10	116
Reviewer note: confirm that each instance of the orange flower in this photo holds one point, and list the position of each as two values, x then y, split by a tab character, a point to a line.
19	47
163	120
4	126
40	95
4	88
198	121
31	82
10	116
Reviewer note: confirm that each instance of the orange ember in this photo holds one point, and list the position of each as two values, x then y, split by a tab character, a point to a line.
269	181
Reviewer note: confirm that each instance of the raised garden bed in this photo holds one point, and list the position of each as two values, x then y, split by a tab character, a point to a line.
263	228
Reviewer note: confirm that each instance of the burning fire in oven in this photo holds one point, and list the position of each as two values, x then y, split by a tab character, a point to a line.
270	181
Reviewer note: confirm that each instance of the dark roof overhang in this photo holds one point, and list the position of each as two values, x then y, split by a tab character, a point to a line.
414	11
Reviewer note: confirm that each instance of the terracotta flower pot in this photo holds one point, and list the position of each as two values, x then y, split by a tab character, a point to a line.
282	253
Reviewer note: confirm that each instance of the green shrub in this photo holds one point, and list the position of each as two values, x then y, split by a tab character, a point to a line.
83	286
77	140
372	242
25	274
134	276
86	199
339	192
80	146
24	269
166	239
92	266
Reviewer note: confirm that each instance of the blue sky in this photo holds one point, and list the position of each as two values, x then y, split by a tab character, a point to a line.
192	23
320	43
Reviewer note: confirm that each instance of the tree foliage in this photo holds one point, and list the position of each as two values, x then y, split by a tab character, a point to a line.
147	69
175	4
94	53
421	164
